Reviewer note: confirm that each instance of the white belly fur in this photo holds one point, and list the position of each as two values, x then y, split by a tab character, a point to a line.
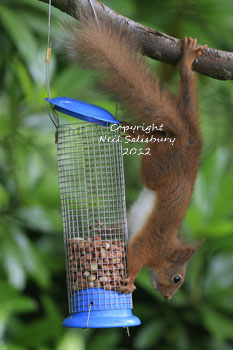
140	211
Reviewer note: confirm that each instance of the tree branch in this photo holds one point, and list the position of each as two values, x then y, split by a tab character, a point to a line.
159	46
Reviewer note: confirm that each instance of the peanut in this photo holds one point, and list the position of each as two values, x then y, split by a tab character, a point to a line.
86	273
96	263
91	278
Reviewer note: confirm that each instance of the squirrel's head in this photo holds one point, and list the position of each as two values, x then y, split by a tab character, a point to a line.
169	277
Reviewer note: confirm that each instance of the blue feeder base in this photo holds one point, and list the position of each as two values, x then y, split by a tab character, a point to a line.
102	319
108	309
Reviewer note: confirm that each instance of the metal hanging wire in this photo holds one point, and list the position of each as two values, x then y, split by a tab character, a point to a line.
48	52
93	9
51	111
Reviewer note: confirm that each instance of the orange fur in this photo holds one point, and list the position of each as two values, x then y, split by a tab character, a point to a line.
171	169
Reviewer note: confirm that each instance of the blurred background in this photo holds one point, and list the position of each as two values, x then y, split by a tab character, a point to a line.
33	297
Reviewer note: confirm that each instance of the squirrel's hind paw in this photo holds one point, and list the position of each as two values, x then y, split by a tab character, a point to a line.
191	50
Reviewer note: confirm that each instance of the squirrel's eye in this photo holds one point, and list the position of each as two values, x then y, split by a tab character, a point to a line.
176	278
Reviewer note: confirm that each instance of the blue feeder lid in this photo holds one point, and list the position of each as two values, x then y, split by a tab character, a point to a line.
83	110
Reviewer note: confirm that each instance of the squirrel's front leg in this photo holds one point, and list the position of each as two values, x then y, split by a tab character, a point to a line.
135	260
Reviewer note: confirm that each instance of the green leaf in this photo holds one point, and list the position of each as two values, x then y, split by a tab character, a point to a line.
219	277
10	346
200	195
111	338
194	219
72	340
33	260
4	197
12	302
223	301
15	270
36	218
23	77
72	82
26	256
35	21
44	329
218	229
148	335
21	36
221	210
125	7
182	337
218	324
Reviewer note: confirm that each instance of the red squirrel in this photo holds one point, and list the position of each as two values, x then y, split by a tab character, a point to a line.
169	173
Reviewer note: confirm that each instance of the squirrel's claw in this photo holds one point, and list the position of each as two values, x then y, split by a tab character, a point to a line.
129	288
200	49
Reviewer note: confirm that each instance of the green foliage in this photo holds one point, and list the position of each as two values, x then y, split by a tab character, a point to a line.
33	300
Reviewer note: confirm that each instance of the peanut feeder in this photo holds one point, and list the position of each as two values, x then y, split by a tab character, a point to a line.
91	180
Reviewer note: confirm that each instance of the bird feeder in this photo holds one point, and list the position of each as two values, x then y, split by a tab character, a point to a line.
92	190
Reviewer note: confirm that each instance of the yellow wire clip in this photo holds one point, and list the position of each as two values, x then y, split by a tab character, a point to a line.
48	55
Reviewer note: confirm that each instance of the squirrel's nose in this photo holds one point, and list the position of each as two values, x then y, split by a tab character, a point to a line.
168	297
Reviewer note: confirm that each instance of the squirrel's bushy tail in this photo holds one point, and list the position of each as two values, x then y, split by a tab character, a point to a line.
106	46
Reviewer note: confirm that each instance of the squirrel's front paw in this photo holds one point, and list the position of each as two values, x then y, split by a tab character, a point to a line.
129	288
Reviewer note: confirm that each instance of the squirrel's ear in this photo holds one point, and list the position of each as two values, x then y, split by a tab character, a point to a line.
180	256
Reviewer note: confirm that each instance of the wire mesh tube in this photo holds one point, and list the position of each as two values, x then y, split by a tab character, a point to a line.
92	189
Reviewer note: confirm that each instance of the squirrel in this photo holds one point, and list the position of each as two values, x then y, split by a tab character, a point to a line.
169	172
